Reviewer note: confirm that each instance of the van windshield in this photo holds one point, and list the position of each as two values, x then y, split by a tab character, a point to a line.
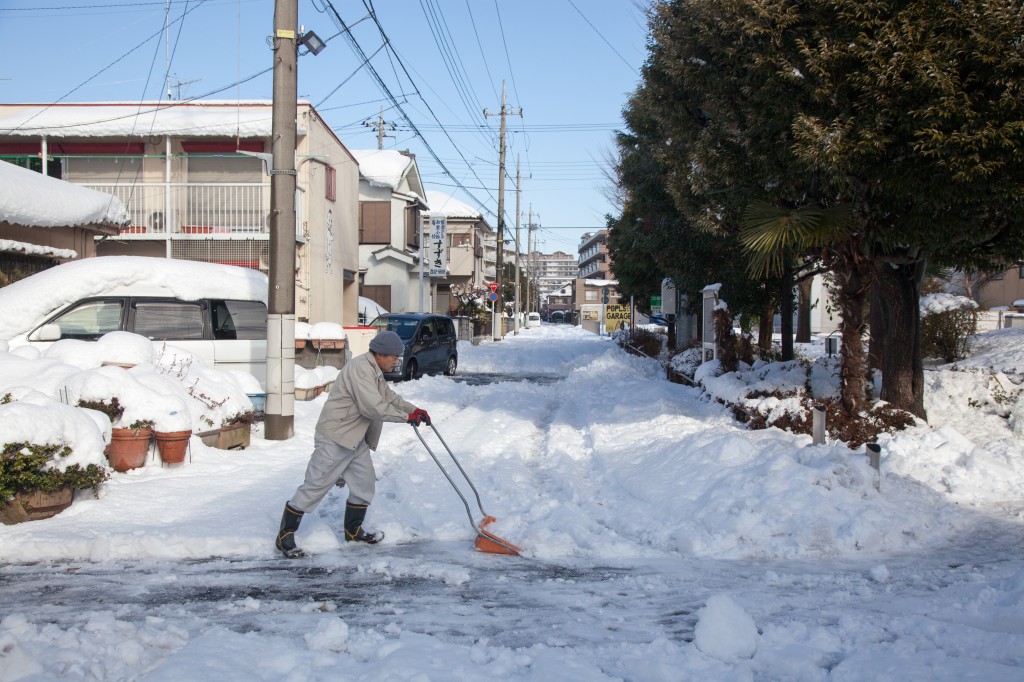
405	328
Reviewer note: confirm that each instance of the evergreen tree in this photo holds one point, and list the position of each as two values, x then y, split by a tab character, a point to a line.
907	115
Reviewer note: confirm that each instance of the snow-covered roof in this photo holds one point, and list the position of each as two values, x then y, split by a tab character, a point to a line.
245	118
11	246
601	282
449	206
37	200
382	167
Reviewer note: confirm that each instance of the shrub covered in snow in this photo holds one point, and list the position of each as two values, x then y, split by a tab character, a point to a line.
641	341
947	324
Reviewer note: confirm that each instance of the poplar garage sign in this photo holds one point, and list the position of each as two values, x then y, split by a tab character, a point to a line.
614	315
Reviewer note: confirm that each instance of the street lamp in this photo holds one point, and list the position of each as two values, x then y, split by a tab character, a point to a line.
311	41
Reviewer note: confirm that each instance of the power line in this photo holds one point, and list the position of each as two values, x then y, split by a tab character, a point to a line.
387	91
483	56
607	42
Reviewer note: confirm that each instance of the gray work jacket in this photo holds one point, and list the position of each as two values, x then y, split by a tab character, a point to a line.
359	403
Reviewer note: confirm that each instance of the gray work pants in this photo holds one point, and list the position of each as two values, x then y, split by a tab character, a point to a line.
328	462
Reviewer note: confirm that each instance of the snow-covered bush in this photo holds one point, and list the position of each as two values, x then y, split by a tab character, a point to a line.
641	341
947	324
45	445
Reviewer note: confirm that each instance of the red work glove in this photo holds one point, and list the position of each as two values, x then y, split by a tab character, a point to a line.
419	416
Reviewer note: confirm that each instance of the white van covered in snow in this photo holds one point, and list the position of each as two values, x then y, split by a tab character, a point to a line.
216	312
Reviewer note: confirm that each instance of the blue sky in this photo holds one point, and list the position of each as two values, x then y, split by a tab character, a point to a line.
569	65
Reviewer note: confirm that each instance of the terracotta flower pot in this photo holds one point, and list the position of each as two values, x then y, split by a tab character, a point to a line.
172	445
128	448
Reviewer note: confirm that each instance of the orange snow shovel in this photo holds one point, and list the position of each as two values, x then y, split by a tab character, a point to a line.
486	541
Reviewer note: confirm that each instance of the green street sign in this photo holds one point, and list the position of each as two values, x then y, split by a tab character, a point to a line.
655	301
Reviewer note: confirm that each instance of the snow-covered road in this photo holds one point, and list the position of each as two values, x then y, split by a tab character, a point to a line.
663	542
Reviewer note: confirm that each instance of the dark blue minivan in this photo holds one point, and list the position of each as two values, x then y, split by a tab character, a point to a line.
431	344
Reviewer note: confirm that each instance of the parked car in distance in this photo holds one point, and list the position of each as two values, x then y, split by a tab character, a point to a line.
217	312
431	344
532	320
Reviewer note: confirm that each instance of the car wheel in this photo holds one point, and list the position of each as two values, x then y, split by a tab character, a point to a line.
449	369
410	371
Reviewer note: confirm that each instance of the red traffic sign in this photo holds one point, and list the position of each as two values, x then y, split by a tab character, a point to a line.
494	286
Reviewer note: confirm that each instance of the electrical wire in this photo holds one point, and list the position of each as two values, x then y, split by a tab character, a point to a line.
108	66
154	109
607	42
483	56
450	55
387	91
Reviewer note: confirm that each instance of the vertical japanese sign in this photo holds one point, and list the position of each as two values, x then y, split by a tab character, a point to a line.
437	246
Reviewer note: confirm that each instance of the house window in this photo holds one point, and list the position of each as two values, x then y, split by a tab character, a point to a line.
53	166
591	295
379	294
103	169
329	179
413	224
374	222
230	169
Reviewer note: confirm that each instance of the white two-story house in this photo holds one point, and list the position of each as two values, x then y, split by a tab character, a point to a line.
195	179
391	206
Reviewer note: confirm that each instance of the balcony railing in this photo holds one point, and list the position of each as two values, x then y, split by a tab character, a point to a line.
190	208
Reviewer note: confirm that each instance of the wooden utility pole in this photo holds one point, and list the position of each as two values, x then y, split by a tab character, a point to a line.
280	407
519	187
497	322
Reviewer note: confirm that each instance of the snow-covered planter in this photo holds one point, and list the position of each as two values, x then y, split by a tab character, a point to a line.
40	468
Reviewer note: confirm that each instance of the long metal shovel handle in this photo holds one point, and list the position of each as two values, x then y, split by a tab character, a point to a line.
444	471
485	541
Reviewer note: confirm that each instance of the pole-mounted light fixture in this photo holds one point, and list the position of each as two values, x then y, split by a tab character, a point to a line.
311	41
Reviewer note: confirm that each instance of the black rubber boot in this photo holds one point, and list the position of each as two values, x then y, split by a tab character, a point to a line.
290	521
354	515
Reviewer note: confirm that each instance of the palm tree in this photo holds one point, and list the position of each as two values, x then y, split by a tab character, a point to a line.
773	237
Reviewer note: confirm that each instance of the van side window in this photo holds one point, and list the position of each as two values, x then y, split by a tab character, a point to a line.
245	320
90	320
170	320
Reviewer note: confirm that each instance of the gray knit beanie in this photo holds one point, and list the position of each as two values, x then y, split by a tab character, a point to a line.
387	343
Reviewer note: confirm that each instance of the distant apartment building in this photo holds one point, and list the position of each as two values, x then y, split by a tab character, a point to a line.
594	278
594	261
552	271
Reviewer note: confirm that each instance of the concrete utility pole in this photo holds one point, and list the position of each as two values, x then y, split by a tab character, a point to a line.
519	189
497	321
529	256
380	125
280	407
